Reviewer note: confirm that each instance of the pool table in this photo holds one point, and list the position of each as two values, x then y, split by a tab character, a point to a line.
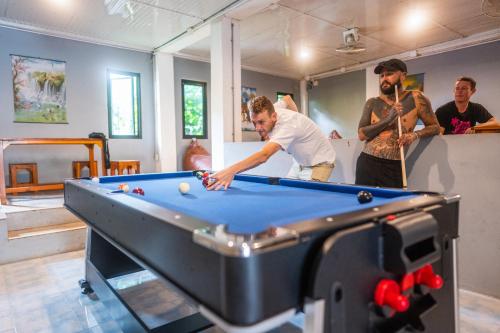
252	256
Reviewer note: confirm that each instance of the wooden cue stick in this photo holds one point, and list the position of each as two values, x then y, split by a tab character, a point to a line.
401	149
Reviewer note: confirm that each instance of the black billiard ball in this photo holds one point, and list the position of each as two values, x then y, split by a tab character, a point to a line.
364	197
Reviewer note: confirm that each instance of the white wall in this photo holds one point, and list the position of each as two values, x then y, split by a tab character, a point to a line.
337	103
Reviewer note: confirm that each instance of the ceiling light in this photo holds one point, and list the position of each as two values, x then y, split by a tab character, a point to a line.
415	19
61	3
305	53
351	42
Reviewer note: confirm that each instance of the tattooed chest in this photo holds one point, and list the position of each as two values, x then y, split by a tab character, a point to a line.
384	145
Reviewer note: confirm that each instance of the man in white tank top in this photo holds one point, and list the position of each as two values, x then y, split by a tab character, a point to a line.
286	130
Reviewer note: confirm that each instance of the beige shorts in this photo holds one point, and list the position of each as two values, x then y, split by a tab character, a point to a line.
321	172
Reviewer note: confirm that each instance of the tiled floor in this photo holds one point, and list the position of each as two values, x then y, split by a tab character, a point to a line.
42	296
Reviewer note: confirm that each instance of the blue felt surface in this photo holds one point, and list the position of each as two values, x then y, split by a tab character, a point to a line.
250	207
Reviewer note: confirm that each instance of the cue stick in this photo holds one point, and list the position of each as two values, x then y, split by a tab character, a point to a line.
401	148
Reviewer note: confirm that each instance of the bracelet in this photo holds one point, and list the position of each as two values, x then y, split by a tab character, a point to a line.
418	136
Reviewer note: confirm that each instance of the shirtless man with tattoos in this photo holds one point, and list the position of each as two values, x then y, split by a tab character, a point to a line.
380	162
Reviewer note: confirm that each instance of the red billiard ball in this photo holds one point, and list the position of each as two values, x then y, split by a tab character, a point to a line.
138	190
205	181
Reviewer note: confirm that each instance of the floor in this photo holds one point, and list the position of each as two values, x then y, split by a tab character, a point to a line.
42	295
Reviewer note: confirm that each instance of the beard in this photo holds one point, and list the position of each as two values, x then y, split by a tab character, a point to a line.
389	90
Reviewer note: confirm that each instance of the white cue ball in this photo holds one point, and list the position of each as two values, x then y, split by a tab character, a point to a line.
123	187
184	188
95	179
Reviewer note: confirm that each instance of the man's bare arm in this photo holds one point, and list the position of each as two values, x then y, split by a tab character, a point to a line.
491	121
290	104
223	178
428	118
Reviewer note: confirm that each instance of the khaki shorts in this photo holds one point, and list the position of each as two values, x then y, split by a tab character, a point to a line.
321	172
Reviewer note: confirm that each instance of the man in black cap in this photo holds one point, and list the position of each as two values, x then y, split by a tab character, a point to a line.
380	162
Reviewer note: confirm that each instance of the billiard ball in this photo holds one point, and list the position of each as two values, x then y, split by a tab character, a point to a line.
199	175
95	179
364	197
123	187
184	188
205	181
138	190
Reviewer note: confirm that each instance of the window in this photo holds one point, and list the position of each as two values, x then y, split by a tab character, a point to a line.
280	95
194	109
124	105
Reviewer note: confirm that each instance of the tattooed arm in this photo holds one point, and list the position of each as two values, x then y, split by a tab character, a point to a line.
366	130
424	112
428	117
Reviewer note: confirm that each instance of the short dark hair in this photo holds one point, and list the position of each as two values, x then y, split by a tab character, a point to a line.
259	104
468	79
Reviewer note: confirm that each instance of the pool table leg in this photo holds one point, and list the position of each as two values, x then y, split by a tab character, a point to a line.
314	311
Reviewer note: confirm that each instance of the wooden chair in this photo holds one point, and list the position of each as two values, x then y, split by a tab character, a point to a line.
79	165
31	168
118	167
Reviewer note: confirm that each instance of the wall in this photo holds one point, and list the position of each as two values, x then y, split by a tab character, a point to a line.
479	62
337	103
265	84
86	97
450	164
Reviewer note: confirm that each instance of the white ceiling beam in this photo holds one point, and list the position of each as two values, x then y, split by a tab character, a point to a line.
250	8
186	40
71	36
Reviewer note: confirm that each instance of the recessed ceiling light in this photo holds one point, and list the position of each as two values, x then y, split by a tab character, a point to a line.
60	2
415	19
305	53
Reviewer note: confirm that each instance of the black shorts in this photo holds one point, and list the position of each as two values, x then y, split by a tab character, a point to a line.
376	171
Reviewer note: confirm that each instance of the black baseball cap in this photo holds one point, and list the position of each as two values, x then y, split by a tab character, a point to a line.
392	65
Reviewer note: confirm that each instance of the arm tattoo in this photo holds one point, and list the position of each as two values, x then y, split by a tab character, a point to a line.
428	117
371	131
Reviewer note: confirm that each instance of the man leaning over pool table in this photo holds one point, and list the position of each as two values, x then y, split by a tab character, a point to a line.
289	131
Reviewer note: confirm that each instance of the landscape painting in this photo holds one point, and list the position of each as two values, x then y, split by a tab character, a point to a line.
39	90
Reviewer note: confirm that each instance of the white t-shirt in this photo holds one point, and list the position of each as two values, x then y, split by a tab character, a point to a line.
301	137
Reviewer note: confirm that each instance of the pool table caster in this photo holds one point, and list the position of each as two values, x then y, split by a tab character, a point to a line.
85	287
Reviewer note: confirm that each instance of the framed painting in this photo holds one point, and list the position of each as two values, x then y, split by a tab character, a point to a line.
247	93
414	82
39	90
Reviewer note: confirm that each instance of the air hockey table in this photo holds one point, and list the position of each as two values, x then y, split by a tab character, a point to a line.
253	256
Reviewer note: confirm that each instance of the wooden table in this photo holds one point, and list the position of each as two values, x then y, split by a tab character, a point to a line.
493	128
6	142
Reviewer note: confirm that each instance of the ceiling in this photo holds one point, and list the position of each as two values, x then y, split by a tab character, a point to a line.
272	35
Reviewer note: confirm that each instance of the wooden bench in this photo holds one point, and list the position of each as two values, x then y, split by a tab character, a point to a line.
32	170
79	165
118	167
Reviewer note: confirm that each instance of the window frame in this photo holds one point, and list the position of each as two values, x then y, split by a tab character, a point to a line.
138	102
205	109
